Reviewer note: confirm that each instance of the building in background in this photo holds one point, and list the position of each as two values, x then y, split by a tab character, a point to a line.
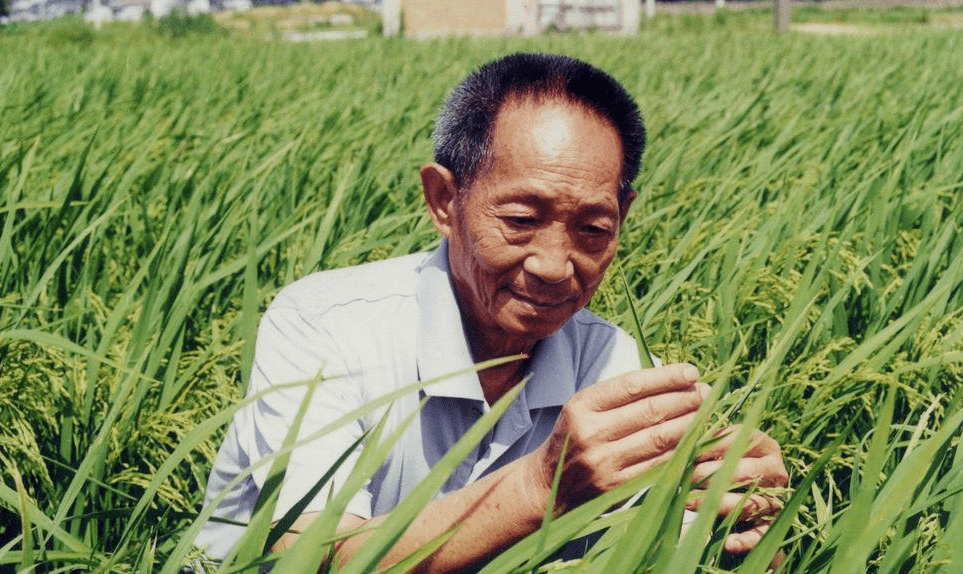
412	17
481	17
31	10
99	11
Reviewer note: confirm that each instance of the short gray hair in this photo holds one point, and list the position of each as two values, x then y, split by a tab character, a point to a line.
463	129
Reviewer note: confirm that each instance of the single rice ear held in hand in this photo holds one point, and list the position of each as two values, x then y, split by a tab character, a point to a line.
644	355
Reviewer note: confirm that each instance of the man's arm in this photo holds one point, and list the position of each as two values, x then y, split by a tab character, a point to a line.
490	515
616	430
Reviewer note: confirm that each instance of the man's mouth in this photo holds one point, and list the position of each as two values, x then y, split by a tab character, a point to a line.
546	303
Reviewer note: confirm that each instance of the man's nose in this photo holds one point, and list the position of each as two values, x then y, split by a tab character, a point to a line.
550	257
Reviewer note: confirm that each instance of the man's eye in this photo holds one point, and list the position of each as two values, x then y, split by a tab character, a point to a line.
596	230
521	221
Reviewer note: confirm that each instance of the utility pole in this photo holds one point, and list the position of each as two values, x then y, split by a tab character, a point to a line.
631	10
782	15
391	17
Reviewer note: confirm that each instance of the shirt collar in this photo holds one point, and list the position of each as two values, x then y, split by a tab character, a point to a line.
553	370
442	345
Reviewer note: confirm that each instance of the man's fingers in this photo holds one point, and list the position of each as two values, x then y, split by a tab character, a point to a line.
761	465
653	410
758	509
766	472
745	540
653	442
755	516
760	444
630	387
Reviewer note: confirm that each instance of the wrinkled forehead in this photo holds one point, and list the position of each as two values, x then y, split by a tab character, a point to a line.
548	126
530	103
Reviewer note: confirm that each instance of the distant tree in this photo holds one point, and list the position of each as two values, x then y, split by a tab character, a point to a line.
5	7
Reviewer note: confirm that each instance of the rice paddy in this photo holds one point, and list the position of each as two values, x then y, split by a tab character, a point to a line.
797	236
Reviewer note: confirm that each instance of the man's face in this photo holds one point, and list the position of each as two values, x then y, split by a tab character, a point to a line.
532	237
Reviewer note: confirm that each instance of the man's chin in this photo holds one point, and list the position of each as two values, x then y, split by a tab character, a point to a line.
537	327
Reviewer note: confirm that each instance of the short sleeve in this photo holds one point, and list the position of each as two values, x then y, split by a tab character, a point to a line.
293	348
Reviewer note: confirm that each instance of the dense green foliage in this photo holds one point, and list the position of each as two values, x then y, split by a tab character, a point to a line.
797	236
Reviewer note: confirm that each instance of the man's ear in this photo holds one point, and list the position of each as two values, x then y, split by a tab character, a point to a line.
438	186
625	204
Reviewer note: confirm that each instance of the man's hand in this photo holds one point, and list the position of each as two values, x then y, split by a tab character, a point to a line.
622	427
760	467
618	429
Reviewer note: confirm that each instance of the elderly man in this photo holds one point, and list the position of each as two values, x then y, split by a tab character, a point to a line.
534	157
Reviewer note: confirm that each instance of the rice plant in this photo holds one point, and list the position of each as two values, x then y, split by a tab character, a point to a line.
797	236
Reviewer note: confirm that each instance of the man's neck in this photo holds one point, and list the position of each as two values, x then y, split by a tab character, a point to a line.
498	380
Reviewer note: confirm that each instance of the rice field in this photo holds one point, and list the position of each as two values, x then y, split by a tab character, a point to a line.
797	236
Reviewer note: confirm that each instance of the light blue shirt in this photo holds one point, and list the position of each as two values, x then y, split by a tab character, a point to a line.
370	330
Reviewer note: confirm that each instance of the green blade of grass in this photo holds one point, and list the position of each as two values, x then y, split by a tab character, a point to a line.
645	356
